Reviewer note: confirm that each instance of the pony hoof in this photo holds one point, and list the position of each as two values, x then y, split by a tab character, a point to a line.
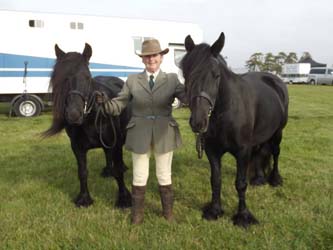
212	213
106	172
275	180
83	201
258	181
124	200
244	219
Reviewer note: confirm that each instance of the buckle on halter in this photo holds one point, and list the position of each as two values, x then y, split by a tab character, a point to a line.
85	108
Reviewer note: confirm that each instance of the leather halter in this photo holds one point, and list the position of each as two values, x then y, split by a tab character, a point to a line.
200	141
88	103
204	95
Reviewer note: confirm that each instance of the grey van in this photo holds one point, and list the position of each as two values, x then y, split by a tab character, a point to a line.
321	75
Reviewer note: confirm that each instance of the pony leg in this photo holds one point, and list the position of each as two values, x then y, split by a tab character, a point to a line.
83	199
243	217
107	170
275	178
260	162
213	210
124	199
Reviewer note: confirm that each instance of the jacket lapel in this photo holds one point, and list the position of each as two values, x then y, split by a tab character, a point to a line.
160	80
142	80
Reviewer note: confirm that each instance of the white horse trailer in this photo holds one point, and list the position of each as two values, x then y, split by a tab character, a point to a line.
27	50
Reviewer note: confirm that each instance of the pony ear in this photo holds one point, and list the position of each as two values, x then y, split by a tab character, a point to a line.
218	45
87	52
189	44
59	53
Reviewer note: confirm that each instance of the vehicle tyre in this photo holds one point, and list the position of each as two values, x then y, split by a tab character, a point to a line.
27	106
312	82
176	104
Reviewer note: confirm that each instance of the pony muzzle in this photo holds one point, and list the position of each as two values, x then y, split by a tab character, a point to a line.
74	117
199	126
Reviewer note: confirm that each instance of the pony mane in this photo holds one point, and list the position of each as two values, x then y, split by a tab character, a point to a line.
196	60
63	71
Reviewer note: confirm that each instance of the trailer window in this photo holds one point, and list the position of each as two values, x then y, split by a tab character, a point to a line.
76	25
178	55
137	42
80	26
36	23
72	25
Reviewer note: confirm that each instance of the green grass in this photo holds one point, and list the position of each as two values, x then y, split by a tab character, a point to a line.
38	181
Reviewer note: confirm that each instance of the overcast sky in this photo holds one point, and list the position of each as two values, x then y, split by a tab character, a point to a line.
250	25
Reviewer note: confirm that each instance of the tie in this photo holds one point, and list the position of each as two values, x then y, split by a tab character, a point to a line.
151	81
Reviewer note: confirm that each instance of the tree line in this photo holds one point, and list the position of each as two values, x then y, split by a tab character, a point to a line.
272	63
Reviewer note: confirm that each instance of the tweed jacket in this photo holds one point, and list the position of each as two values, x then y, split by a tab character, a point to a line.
151	123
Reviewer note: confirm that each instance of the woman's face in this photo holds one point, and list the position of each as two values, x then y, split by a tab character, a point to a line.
152	62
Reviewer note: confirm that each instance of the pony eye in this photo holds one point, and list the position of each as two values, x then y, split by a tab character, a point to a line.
216	74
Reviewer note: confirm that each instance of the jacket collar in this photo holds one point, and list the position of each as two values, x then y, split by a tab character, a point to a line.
159	81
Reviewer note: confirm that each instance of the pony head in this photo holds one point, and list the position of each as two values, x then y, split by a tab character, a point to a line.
71	85
202	72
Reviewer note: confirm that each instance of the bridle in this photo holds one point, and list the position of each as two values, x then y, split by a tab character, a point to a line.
200	141
89	103
204	95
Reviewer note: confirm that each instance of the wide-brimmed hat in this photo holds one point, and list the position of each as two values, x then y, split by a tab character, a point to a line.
151	47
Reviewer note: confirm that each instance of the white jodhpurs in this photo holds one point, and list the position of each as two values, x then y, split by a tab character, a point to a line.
141	168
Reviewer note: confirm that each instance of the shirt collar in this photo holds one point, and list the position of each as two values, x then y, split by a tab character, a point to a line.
155	74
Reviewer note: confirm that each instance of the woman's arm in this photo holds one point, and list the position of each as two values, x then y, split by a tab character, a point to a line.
115	105
180	92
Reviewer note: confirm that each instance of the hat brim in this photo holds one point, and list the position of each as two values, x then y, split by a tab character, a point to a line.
162	52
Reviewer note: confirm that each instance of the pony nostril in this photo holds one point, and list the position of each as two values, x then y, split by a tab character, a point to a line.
74	117
199	126
195	125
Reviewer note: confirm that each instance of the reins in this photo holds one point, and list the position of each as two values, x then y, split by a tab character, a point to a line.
100	113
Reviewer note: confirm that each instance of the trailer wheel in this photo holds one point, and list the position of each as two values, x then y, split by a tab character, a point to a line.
312	82
27	106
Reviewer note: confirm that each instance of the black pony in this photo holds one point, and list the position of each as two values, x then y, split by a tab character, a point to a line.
75	110
241	114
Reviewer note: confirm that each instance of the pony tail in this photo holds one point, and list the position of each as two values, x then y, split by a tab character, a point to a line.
57	126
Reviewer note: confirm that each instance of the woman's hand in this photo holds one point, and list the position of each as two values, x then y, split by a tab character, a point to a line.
101	97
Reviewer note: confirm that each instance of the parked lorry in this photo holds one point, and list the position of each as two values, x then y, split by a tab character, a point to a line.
27	50
295	72
321	75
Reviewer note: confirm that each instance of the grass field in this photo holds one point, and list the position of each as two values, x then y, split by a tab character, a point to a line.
38	181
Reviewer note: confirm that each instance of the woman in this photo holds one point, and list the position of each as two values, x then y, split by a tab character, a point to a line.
152	129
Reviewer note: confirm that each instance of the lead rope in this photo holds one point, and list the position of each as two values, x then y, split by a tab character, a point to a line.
200	144
100	113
